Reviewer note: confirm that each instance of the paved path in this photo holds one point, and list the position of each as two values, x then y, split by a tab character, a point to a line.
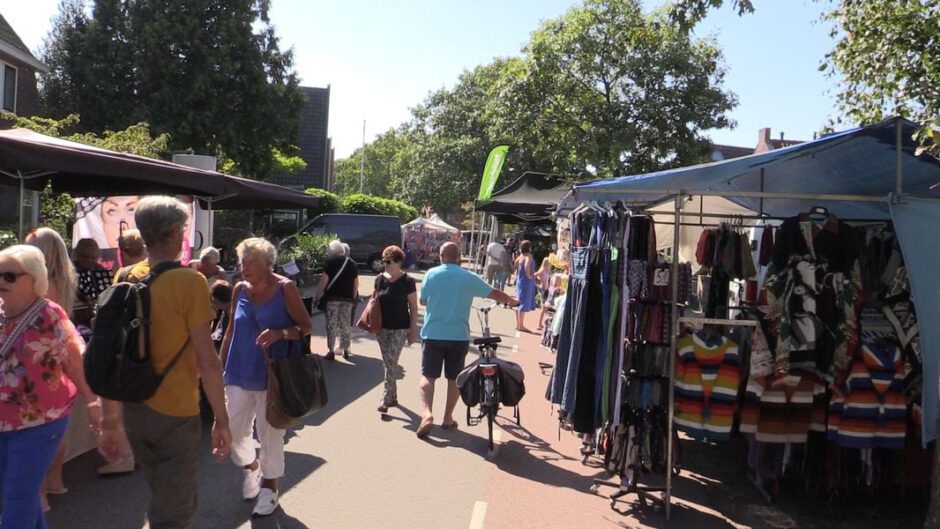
349	467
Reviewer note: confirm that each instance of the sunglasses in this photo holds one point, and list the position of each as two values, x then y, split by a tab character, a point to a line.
11	277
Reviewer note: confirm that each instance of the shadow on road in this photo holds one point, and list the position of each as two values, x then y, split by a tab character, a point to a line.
121	502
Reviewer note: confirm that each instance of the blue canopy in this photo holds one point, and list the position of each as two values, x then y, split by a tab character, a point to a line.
847	166
860	161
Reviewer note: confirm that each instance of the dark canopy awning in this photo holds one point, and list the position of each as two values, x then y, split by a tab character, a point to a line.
531	198
83	170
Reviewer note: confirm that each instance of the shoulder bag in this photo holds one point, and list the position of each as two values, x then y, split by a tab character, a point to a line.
296	385
321	303
371	318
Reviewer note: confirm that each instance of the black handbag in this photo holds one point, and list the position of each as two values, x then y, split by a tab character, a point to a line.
296	386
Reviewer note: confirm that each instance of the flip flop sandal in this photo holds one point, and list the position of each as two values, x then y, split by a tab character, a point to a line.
449	425
425	428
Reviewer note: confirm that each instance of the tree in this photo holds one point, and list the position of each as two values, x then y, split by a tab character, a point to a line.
605	90
886	56
380	167
211	73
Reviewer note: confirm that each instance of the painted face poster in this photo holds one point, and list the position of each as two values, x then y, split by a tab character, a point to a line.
104	219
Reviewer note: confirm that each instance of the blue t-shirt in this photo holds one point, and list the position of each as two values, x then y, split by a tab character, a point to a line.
449	291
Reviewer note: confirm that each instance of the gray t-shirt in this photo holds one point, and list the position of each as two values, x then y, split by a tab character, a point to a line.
495	254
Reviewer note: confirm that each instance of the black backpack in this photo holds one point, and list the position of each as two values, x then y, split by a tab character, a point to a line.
117	359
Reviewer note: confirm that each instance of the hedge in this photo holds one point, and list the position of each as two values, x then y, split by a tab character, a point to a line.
372	205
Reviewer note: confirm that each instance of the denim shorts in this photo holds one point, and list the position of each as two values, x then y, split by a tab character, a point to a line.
449	354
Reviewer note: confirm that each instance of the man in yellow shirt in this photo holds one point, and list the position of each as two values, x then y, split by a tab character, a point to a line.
164	430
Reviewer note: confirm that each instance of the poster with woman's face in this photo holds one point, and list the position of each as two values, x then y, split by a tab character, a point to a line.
104	218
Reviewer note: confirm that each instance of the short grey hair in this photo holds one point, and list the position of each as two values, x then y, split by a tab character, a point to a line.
33	262
257	247
157	216
335	248
211	254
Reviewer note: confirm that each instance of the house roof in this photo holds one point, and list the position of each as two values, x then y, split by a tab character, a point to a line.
11	43
729	152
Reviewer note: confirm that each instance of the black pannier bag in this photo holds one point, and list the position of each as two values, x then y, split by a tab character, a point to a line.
511	382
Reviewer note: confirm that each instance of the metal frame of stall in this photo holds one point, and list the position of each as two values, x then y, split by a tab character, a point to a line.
679	196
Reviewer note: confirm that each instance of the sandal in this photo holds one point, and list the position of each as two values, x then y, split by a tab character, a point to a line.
449	425
425	428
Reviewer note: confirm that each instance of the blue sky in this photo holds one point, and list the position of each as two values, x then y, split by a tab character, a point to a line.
383	57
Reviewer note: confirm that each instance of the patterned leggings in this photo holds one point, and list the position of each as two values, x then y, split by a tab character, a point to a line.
391	342
338	323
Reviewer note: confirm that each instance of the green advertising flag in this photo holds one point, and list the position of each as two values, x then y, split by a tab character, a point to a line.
494	164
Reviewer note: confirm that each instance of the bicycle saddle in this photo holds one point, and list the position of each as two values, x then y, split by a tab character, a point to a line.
487	341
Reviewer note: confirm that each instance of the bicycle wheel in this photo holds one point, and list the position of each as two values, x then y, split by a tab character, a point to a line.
490	419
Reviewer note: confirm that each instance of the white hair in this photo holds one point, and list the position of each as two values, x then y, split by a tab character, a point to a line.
335	248
257	247
211	254
32	262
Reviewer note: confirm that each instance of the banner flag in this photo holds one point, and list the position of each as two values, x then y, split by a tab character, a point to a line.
494	164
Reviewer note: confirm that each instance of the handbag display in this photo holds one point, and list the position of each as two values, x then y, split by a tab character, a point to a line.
296	387
371	318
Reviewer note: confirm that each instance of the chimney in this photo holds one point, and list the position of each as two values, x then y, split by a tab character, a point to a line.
763	136
781	136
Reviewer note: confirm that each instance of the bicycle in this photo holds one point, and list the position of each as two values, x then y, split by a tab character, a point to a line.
489	388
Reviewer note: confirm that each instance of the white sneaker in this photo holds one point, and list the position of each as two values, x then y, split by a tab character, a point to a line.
266	504
121	466
251	483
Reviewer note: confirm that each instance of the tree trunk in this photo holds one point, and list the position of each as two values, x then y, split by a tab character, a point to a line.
933	510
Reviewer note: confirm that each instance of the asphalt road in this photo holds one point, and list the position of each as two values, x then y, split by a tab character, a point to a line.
348	467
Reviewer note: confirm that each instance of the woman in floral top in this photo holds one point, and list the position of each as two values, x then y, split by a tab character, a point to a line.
40	374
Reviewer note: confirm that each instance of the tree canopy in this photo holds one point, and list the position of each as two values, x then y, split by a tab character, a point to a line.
602	90
210	73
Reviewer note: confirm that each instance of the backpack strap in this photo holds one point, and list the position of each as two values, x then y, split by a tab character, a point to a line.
148	280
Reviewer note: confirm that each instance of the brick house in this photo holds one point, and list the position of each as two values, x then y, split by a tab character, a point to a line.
18	69
20	95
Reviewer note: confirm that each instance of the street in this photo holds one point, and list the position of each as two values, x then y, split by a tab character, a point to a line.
348	467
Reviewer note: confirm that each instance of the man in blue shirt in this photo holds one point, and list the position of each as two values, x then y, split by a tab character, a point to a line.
448	291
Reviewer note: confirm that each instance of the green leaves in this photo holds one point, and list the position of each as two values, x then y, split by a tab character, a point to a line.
210	73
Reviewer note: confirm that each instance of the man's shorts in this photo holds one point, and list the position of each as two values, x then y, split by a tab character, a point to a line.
449	354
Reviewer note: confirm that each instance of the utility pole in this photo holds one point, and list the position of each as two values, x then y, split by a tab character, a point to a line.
362	157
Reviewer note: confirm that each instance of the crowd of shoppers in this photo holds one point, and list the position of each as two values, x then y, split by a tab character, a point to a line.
214	338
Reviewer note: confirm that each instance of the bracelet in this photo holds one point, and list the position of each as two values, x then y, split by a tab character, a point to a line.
94	404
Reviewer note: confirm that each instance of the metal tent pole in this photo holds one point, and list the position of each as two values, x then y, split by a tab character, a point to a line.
672	353
473	222
898	159
19	229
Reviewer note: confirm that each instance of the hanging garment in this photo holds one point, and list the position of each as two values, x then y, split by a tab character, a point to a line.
780	409
707	376
871	412
766	246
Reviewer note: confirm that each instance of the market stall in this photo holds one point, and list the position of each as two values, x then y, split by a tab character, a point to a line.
872	190
424	236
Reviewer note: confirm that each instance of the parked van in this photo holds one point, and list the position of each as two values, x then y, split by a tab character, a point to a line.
366	235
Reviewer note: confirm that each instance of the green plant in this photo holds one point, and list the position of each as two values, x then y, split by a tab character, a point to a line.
7	237
308	250
370	205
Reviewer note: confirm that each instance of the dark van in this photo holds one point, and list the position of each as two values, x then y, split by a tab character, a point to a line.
366	235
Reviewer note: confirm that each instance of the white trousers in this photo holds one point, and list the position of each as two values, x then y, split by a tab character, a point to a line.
246	408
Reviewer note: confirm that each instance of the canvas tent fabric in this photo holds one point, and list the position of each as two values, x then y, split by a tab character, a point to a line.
854	163
432	223
85	170
530	198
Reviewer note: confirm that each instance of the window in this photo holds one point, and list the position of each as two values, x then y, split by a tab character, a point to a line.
9	88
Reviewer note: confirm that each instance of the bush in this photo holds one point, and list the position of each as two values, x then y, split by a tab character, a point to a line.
329	202
371	205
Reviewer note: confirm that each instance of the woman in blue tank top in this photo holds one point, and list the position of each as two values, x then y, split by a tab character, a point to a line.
267	314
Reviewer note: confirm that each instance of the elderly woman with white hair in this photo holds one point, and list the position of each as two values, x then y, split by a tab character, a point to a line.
339	289
41	372
268	318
